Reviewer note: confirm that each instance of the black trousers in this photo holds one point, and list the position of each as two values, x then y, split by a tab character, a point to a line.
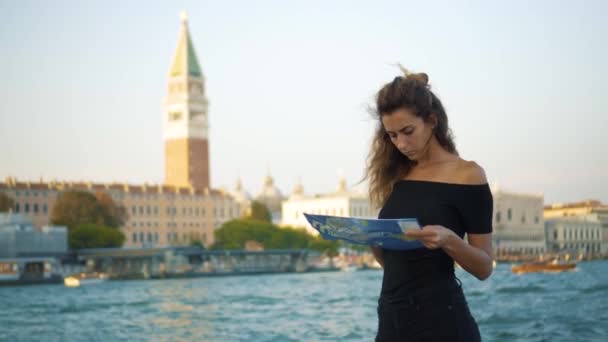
440	313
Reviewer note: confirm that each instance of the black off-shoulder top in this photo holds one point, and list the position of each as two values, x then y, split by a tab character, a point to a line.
463	208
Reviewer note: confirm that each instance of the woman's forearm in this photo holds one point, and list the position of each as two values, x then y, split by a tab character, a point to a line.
377	252
472	259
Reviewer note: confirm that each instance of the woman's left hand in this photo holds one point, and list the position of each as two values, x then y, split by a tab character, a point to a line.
431	236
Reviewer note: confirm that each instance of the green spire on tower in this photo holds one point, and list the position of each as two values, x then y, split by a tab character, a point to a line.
184	60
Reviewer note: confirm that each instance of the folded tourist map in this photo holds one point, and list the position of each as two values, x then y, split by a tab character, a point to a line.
385	233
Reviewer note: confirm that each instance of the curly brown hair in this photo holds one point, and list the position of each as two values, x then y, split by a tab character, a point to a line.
385	163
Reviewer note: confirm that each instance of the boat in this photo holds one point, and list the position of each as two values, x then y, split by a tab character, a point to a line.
324	264
346	264
349	268
543	266
371	265
86	278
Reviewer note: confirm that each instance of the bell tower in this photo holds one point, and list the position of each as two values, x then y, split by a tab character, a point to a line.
185	121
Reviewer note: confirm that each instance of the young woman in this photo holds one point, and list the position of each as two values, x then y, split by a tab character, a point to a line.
414	170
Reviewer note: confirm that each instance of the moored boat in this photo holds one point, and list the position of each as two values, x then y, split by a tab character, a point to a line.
76	280
543	266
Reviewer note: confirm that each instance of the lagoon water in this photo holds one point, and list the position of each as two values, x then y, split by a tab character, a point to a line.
334	306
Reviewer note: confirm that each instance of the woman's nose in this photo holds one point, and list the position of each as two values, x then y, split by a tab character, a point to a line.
401	142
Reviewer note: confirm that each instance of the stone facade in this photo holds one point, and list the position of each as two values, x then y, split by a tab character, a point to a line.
576	225
342	202
575	235
157	215
518	223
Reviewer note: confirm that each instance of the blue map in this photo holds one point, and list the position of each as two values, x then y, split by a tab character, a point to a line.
385	233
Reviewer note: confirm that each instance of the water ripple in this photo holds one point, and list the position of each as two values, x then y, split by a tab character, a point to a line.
339	306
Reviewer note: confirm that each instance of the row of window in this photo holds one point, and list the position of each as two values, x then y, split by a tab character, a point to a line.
115	195
355	211
578	234
152	237
148	210
149	237
525	250
27	208
326	211
172	211
169	225
165	196
36	208
360	211
498	217
589	248
33	193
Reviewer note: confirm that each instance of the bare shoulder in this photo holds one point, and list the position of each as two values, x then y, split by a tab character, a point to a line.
471	173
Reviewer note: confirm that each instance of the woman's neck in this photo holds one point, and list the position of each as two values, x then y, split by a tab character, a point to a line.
436	154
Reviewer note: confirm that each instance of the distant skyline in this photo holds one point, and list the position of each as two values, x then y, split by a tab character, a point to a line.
289	86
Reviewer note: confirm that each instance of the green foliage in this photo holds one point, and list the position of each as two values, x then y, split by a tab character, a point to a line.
91	235
114	215
79	207
324	246
233	235
6	202
357	248
197	243
259	212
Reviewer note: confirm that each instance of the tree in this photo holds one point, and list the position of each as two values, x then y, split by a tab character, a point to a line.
113	215
6	202
79	207
324	246
88	218
76	207
197	243
234	234
90	235
260	212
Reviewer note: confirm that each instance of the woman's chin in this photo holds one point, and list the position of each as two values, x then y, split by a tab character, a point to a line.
411	156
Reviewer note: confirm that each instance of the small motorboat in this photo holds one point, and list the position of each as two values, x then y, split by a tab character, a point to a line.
78	279
349	268
543	266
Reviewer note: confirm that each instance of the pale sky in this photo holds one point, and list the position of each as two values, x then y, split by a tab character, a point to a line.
82	82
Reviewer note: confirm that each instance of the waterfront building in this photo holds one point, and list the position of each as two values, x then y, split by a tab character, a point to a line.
20	238
158	215
577	226
576	235
518	223
342	202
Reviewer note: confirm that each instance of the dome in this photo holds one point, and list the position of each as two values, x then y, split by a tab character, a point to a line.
269	190
270	195
298	190
240	194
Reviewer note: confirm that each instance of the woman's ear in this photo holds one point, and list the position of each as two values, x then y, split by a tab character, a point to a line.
433	120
